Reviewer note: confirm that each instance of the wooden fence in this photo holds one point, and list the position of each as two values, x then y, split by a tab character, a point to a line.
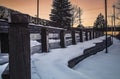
19	43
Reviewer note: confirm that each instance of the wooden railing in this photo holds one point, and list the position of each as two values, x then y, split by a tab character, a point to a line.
19	43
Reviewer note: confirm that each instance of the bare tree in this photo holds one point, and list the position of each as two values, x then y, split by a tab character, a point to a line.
77	13
117	7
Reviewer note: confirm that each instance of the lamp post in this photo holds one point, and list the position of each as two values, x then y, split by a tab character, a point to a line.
106	51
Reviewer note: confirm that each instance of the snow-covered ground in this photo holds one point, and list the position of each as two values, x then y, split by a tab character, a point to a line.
53	65
101	65
2	68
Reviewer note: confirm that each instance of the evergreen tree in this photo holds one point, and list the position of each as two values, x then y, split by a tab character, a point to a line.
100	21
61	13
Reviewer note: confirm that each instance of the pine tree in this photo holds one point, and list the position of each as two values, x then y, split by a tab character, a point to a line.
100	21
61	13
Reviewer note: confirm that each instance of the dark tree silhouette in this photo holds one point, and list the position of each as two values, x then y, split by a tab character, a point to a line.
100	21
61	13
80	26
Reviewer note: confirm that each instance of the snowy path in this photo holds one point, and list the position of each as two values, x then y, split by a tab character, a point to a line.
101	65
53	65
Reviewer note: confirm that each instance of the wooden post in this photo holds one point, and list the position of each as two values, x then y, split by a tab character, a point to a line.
99	33
44	40
74	41
90	34
4	43
86	35
93	34
19	47
62	39
81	35
102	33
0	44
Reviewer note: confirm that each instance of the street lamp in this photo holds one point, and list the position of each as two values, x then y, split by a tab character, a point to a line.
106	51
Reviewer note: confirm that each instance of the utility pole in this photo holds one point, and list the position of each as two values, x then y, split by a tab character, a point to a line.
37	10
112	29
79	16
114	24
106	51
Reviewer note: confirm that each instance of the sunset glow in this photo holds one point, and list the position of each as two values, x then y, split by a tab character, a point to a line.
90	8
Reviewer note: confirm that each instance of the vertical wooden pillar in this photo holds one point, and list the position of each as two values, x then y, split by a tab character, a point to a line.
0	44
101	33
81	35
62	39
97	33
44	40
86	35
4	43
93	34
74	41
19	47
90	34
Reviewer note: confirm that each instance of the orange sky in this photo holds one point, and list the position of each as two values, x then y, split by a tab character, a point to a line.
91	8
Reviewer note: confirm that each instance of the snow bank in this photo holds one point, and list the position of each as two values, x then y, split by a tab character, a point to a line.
2	67
101	65
34	43
53	65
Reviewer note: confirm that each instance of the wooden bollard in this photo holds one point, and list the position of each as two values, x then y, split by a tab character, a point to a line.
102	33
62	39
86	35
74	41
90	35
19	47
93	34
81	35
97	33
44	40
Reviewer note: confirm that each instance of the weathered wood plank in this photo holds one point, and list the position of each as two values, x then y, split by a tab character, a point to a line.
19	48
74	41
62	39
44	40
